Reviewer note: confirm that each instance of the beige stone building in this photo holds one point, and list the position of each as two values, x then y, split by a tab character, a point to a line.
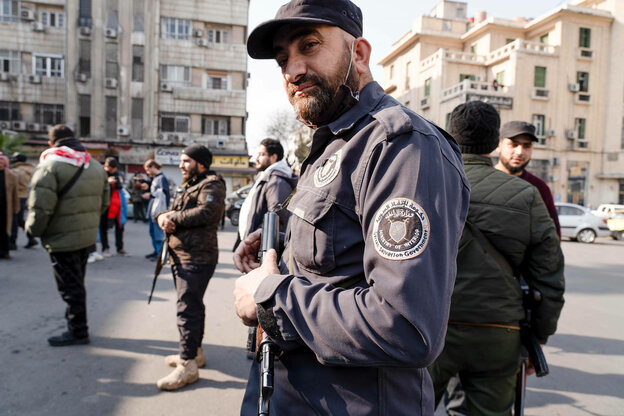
135	79
561	71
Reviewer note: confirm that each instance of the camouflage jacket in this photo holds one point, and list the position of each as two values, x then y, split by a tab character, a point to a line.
196	212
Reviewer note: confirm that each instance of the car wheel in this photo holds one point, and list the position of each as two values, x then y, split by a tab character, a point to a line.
234	218
618	235
586	236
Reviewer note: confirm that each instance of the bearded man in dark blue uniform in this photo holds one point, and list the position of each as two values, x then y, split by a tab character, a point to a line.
359	301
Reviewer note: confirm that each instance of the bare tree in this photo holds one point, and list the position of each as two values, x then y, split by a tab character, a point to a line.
281	125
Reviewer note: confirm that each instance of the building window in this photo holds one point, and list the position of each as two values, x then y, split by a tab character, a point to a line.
579	126
84	14
391	71
110	113
49	114
175	123
84	115
137	63
585	37
52	19
216	126
508	41
539	77
427	87
172	28
447	26
622	144
84	56
9	61
621	196
218	36
112	62
176	74
214	82
538	122
9	11
9	111
407	75
466	76
473	48
137	118
49	65
582	79
138	15
544	39
500	78
447	121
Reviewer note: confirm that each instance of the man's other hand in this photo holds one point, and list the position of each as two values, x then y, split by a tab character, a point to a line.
247	252
166	224
246	286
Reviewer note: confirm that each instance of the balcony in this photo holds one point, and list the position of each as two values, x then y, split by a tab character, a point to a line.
468	90
524	46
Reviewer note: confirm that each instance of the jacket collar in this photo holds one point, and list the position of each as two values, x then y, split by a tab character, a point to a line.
474	159
370	96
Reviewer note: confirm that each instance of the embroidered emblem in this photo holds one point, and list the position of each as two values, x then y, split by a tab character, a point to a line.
328	171
209	198
401	229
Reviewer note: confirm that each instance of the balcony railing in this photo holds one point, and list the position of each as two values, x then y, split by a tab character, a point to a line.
521	46
498	96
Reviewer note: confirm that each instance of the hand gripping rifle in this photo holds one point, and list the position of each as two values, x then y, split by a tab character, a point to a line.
534	353
267	349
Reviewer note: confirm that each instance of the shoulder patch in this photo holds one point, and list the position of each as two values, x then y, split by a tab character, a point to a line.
209	198
328	171
401	229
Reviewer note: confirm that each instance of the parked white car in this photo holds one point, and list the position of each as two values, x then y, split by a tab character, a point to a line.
578	223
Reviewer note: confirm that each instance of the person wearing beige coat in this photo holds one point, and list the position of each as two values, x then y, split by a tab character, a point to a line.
9	204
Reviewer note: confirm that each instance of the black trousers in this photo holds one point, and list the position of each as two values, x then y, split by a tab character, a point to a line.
104	221
69	273
18	221
191	281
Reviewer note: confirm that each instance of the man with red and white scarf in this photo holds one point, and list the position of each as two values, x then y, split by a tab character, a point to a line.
68	193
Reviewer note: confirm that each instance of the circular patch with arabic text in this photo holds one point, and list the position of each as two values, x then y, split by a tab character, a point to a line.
328	171
401	229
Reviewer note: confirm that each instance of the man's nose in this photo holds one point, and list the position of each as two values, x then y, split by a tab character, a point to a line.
295	69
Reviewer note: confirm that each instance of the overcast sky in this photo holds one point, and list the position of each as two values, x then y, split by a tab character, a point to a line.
385	21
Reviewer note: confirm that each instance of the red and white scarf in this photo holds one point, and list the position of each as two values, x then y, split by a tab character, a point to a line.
66	155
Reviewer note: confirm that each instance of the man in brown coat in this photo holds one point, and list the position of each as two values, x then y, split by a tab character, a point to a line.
9	204
24	171
191	229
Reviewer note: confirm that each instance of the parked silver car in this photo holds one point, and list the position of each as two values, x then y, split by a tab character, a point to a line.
580	224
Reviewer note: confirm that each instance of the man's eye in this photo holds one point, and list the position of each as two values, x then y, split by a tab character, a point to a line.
281	62
310	44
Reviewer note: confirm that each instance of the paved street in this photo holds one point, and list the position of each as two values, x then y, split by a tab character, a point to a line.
116	373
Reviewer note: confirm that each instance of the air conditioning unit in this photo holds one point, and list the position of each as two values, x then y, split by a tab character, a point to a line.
173	138
424	103
551	133
85	30
110	82
18	125
220	144
34	79
110	33
165	86
555	161
201	42
38	27
582	144
570	134
33	127
5	125
4	76
161	136
573	87
198	33
81	77
27	14
123	131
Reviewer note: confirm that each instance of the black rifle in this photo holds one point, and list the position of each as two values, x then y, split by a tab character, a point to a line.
163	257
267	349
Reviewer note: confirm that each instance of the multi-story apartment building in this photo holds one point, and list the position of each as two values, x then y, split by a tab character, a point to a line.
560	71
135	79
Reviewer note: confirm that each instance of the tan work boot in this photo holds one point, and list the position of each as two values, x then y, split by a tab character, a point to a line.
173	360
186	372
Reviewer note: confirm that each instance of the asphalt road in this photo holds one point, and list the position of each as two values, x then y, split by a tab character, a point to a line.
116	373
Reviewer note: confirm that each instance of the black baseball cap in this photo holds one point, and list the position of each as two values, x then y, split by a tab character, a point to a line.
516	128
341	13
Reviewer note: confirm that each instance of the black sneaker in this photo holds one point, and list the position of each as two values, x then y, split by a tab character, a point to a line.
67	338
31	243
151	256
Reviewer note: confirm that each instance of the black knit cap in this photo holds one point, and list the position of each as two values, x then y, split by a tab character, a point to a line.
341	13
475	126
199	153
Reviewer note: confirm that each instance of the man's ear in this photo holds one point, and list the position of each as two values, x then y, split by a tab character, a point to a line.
273	158
361	55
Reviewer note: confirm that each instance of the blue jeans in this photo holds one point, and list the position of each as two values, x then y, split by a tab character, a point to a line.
157	234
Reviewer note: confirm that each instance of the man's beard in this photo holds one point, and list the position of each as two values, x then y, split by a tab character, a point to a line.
190	173
312	105
513	169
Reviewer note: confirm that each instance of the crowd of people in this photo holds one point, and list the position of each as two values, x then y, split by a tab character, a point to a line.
396	282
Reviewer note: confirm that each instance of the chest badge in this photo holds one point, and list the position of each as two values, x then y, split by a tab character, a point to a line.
328	171
401	229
